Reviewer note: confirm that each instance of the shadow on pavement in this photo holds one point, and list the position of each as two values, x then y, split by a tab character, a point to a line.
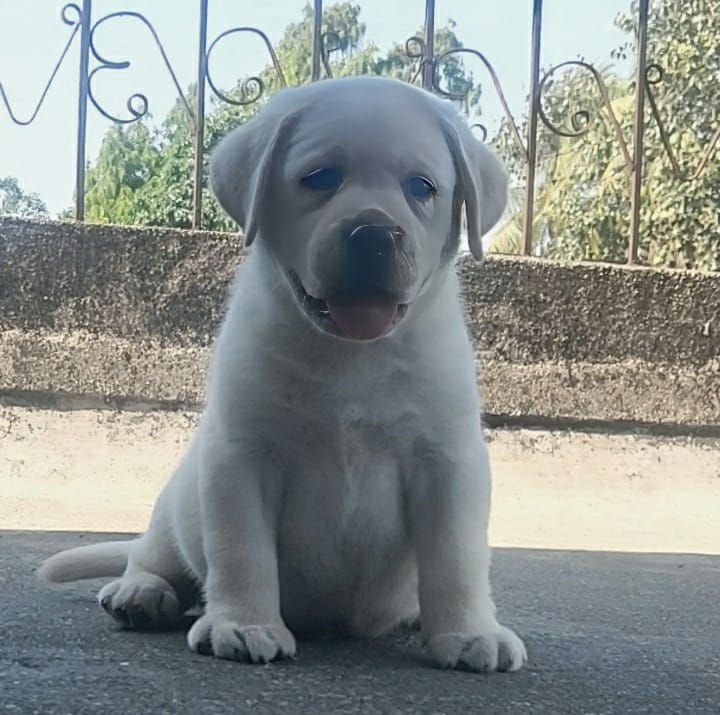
606	633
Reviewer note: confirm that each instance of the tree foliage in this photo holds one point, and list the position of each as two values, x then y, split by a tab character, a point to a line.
127	161
583	201
16	202
145	177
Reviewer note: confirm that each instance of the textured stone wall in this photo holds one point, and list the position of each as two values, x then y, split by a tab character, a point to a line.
93	315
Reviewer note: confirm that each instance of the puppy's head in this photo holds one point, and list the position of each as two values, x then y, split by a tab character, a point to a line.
356	188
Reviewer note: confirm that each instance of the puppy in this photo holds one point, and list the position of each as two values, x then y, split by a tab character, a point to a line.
338	481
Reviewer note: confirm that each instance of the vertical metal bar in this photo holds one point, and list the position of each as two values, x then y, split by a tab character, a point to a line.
638	131
428	60
527	237
81	149
199	148
316	40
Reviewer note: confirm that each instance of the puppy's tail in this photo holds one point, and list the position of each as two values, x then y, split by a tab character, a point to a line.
108	558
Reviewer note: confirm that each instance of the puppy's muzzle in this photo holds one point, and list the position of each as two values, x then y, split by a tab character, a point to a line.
370	255
369	290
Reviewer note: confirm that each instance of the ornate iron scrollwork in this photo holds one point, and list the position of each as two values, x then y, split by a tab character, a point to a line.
251	88
75	23
581	119
137	103
654	75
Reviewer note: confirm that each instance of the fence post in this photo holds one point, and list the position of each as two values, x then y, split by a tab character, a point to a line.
83	78
529	214
638	131
317	47
199	140
428	58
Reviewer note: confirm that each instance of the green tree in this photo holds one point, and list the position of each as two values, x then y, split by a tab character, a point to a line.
582	205
579	178
16	202
145	178
127	160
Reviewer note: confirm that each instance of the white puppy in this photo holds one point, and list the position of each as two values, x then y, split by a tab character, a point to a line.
339	481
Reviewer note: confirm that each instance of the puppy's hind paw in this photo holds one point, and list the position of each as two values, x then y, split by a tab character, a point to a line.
498	649
141	601
224	638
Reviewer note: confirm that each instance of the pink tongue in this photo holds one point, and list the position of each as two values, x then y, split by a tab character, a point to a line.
362	318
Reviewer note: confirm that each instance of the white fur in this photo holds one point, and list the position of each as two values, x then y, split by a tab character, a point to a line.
332	484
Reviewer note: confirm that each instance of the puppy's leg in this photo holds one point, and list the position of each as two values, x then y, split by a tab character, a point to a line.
155	589
239	495
449	526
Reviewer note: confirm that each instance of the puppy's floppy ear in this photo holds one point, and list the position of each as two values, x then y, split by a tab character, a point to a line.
241	165
482	181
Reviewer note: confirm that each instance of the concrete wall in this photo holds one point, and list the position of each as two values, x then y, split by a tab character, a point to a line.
106	315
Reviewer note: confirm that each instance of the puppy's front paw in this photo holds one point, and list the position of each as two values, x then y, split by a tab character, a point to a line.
498	649
222	637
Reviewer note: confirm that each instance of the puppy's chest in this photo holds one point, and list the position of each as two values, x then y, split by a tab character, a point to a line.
349	461
345	496
349	450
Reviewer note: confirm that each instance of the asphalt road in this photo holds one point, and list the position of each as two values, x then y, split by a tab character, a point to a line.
606	634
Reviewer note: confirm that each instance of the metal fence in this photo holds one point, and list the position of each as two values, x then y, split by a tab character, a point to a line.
83	25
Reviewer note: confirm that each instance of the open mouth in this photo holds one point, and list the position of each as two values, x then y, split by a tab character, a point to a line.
365	317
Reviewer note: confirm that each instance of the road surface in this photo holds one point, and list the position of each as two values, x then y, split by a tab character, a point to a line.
606	633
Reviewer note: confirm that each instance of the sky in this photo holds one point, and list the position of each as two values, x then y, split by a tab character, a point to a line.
32	35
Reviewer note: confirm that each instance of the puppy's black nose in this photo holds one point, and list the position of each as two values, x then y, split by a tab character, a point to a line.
374	242
370	252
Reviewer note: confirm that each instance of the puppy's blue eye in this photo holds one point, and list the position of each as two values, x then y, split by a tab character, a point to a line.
328	179
420	188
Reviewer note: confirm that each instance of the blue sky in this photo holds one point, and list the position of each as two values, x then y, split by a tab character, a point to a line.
42	155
